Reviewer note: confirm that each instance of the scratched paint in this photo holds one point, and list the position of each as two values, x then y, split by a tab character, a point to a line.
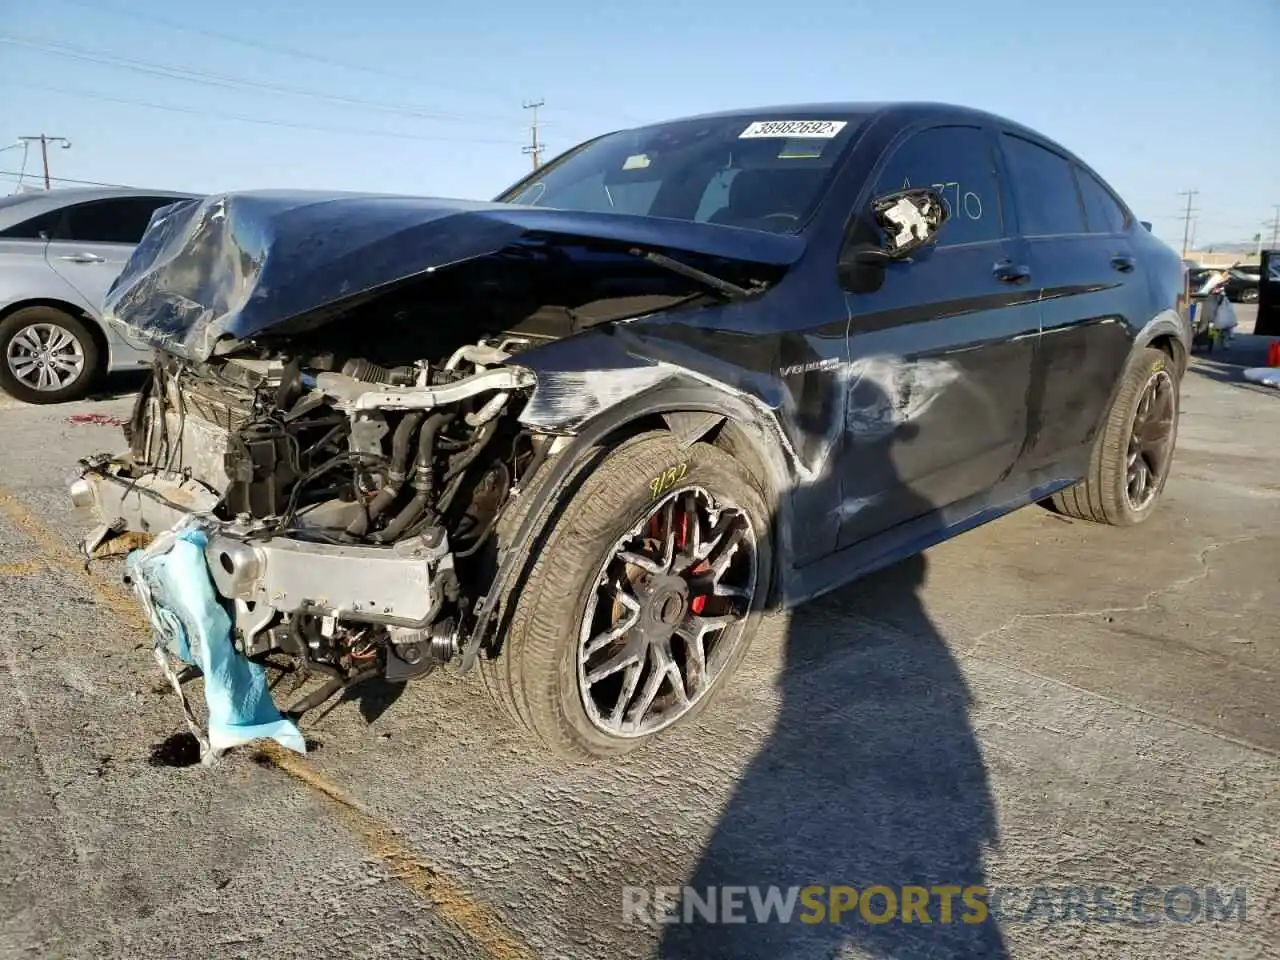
566	399
852	506
886	392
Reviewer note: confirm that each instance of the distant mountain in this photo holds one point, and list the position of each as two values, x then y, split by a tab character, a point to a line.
1227	247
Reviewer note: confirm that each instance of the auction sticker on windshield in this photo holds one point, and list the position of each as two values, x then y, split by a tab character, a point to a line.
816	129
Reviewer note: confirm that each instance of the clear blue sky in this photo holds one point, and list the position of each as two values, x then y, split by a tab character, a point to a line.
1159	95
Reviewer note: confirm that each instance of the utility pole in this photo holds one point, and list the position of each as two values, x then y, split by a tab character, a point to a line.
1275	228
1186	218
45	140
535	147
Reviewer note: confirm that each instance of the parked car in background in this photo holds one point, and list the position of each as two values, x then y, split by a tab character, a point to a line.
1242	282
59	253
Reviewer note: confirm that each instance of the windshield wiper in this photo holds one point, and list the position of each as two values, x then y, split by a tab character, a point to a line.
730	291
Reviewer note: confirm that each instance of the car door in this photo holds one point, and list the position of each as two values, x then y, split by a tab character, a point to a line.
1094	293
940	348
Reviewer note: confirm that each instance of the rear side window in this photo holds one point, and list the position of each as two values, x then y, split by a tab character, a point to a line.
1043	188
33	228
958	163
1102	212
110	221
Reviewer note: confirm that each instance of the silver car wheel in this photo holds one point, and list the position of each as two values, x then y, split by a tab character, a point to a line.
45	357
671	601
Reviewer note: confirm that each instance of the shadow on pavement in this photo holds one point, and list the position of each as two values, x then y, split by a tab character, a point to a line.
1226	364
117	385
872	777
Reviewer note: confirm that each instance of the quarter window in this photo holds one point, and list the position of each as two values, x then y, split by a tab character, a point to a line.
1044	189
33	228
958	163
1103	213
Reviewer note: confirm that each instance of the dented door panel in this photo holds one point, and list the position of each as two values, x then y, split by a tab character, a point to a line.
937	386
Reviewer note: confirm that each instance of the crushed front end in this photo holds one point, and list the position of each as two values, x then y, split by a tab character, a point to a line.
343	508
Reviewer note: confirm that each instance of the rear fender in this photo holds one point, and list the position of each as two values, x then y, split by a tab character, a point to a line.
1167	323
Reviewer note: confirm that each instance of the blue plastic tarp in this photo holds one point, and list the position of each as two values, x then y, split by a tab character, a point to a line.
171	579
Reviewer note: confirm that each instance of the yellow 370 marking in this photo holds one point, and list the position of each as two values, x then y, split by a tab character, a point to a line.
668	478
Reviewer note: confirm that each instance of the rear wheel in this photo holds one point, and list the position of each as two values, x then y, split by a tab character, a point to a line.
642	602
1249	295
46	355
1131	458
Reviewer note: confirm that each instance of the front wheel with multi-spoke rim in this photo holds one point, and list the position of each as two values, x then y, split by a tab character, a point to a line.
46	355
642	600
1133	452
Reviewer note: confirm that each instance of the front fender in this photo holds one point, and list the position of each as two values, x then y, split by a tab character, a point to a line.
588	408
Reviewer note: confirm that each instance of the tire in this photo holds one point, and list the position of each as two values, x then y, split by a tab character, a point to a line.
1105	495
35	325
1249	295
536	674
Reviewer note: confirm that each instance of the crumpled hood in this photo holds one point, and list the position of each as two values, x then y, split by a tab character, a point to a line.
236	265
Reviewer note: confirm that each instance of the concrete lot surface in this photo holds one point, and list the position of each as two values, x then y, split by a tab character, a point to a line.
1037	704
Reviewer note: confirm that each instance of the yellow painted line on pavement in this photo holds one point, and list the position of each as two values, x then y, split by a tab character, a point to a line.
424	879
479	923
24	569
56	555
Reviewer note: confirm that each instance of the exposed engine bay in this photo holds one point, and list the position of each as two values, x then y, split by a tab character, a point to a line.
351	503
415	459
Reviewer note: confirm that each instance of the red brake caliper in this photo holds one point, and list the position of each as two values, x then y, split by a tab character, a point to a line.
697	603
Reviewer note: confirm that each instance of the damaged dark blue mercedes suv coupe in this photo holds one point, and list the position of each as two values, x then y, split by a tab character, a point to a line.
583	436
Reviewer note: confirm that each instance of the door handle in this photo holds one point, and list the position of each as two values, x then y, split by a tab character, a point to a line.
1123	262
1010	272
84	258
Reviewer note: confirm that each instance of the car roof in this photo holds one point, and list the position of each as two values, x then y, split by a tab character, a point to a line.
904	111
901	112
23	206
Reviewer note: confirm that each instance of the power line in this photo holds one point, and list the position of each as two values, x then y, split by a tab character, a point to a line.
534	149
14	174
217	115
278	49
245	41
1186	218
150	68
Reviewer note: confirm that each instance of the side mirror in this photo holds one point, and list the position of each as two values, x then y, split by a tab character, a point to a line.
907	220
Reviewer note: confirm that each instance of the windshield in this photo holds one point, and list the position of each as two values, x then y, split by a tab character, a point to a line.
764	173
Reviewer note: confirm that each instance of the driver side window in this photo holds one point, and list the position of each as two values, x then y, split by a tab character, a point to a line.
958	162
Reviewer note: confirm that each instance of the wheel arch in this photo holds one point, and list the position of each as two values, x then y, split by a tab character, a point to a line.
1168	332
691	413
